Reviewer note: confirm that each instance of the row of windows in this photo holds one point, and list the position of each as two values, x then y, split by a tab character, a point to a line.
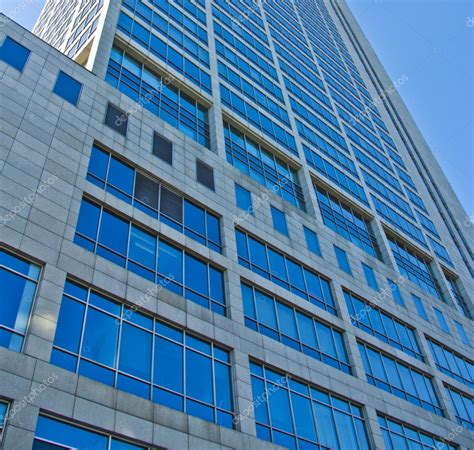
269	170
19	281
124	243
300	416
103	339
372	151
259	120
165	52
52	434
346	222
303	93
463	406
337	176
249	12
155	199
294	328
399	379
398	436
154	93
440	251
383	326
167	30
458	298
452	364
287	273
414	267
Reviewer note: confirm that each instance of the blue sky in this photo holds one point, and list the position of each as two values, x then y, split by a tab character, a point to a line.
429	41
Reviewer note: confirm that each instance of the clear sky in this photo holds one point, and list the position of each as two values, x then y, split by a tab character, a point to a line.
429	41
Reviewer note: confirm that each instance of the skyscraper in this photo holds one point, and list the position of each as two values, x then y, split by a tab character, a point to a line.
221	228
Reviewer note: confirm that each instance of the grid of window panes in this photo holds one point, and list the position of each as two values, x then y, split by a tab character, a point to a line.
148	255
152	197
3	417
346	222
52	433
292	327
161	48
458	298
18	281
414	267
297	415
367	317
156	94
452	364
284	271
114	344
399	379
269	170
463	405
398	436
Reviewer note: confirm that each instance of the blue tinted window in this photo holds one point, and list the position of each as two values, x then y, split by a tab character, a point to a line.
285	414
67	88
463	406
442	321
277	267
129	246
3	416
383	326
462	333
19	280
279	220
370	277
312	241
154	199
292	327
53	433
397	295
342	260
142	355
14	53
397	436
419	307
399	379
243	198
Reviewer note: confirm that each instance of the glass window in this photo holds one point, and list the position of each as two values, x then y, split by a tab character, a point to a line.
442	321
53	433
279	220
397	295
370	277
3	417
205	174
116	119
67	88
162	148
14	53
342	260
19	281
462	333
312	241
419	307
284	414
243	198
142	355
463	406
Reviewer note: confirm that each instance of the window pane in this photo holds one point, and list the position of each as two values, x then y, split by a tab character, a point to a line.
170	261
114	232
168	370
280	409
142	248
14	53
68	88
69	328
171	205
135	362
199	377
146	191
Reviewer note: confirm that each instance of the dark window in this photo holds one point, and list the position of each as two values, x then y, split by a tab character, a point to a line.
205	174
162	148
279	220
171	205
116	119
67	88
14	54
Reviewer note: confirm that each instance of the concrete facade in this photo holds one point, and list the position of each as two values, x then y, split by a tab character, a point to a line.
46	144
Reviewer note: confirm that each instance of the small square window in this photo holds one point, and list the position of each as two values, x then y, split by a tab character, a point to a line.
462	333
162	148
442	321
370	277
279	220
419	307
204	174
67	88
243	198
116	119
14	53
342	260
312	241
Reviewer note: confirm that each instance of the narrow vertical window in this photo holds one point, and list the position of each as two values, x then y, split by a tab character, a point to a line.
370	277
279	221
243	198
342	260
312	241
